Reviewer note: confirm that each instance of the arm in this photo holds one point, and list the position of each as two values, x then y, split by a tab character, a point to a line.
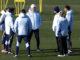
16	26
29	26
54	24
12	24
70	22
2	19
58	29
40	19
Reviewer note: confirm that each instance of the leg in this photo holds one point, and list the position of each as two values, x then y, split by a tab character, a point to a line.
60	46
69	41
65	45
36	32
57	43
3	40
29	36
19	38
27	44
11	40
3	44
6	43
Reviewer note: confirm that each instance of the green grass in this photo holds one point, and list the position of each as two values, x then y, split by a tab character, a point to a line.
47	38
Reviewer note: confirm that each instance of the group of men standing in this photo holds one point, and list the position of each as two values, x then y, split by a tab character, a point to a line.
62	26
24	26
27	24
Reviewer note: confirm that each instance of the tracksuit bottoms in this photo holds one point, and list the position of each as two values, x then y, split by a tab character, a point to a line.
8	42
36	32
63	45
19	39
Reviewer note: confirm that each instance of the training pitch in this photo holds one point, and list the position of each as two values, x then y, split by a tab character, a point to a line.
47	38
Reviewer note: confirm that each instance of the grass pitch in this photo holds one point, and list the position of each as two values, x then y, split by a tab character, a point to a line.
47	38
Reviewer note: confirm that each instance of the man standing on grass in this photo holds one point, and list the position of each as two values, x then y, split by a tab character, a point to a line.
55	21
62	31
69	16
36	21
22	28
2	23
9	29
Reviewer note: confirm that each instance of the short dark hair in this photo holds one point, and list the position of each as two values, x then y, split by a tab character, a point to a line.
7	9
11	10
67	7
23	11
56	9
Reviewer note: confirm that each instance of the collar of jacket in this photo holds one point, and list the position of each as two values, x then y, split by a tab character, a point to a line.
32	11
9	14
22	15
71	12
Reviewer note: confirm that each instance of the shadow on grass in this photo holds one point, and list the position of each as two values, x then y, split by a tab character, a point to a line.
42	53
49	52
76	52
45	50
76	49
